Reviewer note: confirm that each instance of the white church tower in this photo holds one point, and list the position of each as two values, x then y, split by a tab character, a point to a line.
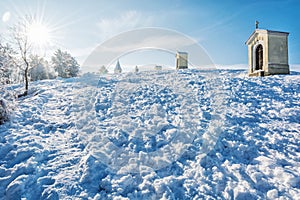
268	52
118	68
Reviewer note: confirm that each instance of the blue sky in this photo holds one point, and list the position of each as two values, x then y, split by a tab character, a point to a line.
220	27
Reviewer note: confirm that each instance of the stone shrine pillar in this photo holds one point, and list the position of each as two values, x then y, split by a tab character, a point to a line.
181	60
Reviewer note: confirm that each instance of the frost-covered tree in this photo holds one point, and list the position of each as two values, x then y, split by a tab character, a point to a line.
8	65
7	103
6	72
8	69
64	64
3	112
103	70
51	72
40	69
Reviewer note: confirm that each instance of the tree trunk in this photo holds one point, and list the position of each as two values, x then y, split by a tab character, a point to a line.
26	80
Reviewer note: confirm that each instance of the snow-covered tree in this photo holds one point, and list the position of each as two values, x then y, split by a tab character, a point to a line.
3	112
8	65
103	70
64	64
8	69
51	72
40	69
7	103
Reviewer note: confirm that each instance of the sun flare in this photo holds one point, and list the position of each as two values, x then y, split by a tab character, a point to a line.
38	34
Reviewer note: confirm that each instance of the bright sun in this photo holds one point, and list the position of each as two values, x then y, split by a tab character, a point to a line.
38	34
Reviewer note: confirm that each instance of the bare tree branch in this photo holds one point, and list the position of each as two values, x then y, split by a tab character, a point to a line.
20	36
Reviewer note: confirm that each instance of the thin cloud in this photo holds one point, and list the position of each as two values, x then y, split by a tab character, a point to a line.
82	53
124	22
147	38
171	42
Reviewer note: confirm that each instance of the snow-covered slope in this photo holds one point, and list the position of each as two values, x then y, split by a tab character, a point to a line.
155	135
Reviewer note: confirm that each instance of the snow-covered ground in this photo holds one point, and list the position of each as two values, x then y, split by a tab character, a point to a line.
155	135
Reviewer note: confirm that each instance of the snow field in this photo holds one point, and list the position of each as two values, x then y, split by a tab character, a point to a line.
129	137
149	121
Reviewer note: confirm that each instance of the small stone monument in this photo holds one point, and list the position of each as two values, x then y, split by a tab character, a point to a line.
267	52
158	67
136	70
181	60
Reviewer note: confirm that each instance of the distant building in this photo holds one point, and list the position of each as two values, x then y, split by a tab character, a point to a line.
118	68
268	52
158	67
181	60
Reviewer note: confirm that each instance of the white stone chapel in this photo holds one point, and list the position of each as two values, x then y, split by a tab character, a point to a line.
268	52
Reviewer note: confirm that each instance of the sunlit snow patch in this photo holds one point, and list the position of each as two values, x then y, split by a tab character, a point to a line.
147	120
150	120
